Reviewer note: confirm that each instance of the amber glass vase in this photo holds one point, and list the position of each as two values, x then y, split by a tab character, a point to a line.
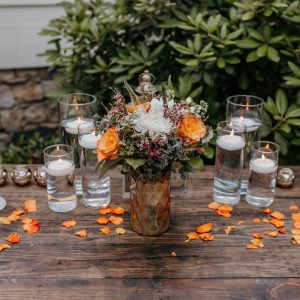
150	204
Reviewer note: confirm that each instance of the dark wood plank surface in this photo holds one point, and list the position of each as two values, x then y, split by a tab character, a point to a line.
54	264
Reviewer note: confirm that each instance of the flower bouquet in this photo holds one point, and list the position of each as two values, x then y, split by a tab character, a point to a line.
150	137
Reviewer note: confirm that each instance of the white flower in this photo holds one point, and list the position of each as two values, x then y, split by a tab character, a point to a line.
188	100
154	121
171	104
192	109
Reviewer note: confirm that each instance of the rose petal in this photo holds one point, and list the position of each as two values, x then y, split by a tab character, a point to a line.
4	221
256	220
30	205
241	222
32	227
294	207
4	246
13	238
192	235
81	234
295	231
13	218
228	229
204	228
271	233
251	246
277	223
257	242
281	230
105	210
102	220
173	253
17	212
120	230
297	225
116	220
267	211
206	236
105	230
296	217
277	215
118	210
70	223
214	205
26	220
257	235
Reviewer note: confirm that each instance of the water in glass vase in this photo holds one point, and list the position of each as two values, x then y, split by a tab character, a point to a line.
61	191
228	162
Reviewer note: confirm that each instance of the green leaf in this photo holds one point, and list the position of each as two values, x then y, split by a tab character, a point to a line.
273	54
296	142
197	42
255	34
247	44
262	51
270	106
156	51
221	63
233	35
293	111
294	122
281	101
283	143
294	68
252	56
285	127
248	16
275	39
135	162
265	131
196	163
108	165
181	49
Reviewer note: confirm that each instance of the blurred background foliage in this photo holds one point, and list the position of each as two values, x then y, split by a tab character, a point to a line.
212	49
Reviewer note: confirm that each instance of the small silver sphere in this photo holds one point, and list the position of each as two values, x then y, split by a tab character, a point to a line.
285	178
3	176
21	175
40	176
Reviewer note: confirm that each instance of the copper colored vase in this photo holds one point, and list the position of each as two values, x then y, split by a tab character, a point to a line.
150	205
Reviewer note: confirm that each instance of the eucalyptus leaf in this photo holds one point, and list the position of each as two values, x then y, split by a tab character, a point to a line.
135	162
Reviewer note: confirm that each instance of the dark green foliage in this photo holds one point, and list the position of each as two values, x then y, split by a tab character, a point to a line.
212	49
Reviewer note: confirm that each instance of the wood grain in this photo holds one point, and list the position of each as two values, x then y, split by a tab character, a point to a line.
54	264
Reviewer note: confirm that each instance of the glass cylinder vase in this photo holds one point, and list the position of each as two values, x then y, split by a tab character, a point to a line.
150	204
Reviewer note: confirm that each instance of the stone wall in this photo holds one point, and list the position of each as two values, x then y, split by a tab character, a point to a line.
24	105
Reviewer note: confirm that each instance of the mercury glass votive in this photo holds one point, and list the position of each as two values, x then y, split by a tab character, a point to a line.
21	175
230	146
59	165
246	110
263	170
95	191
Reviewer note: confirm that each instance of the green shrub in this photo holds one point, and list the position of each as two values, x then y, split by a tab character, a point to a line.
212	49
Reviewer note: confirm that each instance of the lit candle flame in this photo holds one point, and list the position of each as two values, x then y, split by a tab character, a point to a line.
79	119
232	132
263	157
267	147
247	103
59	160
57	148
75	101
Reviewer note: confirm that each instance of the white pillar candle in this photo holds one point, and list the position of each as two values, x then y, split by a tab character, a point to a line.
251	124
88	141
60	167
71	125
263	165
230	142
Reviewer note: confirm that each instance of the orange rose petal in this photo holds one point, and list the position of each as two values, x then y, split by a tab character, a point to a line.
225	214
267	211
229	228
206	236
17	212
120	230
32	227
256	220
295	231
13	238
241	222
214	205
192	235
257	235
296	217
118	210
294	207
81	234
30	205
116	220
226	207
70	223
297	225
281	230
271	233
26	220
105	210
102	221
4	246
257	242
173	254
105	230
264	220
277	223
251	246
4	221
13	218
277	215
204	228
295	239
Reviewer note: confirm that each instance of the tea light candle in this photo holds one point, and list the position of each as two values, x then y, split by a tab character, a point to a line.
60	167
231	142
251	124
263	165
89	141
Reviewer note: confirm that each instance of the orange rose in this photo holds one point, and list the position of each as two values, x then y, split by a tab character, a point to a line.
133	107
192	127
108	145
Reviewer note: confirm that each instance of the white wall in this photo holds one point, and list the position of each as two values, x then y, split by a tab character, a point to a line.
20	23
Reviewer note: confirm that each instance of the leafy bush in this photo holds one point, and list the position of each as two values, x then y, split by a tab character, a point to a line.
27	151
212	49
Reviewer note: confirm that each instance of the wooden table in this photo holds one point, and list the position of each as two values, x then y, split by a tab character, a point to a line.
54	264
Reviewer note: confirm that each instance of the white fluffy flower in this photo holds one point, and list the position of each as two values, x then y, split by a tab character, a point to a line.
154	121
188	100
171	104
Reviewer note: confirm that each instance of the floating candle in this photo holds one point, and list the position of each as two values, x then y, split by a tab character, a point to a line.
59	167
71	125
251	124
88	141
231	142
263	165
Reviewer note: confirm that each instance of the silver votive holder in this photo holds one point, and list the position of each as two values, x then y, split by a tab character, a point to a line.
3	176
21	175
